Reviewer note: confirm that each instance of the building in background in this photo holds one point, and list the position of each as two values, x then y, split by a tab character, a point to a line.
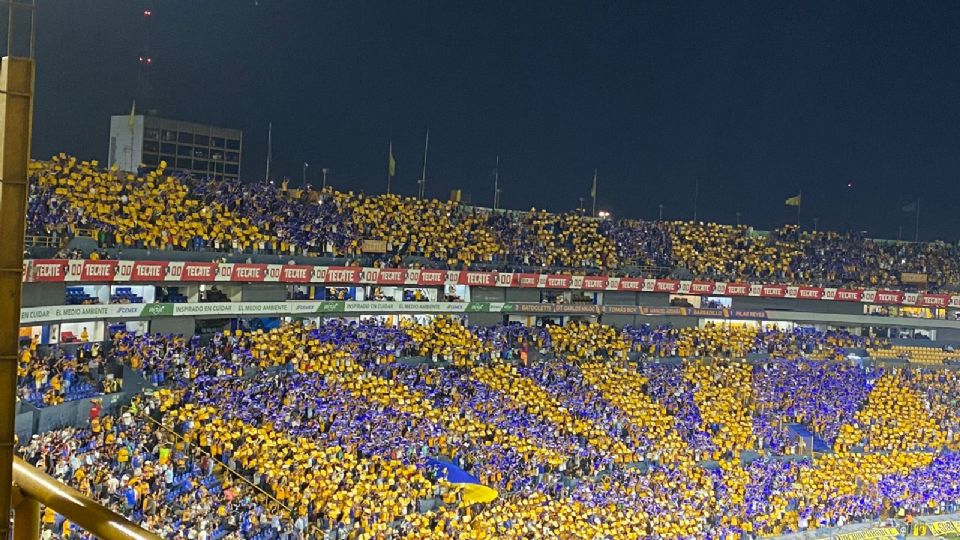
201	150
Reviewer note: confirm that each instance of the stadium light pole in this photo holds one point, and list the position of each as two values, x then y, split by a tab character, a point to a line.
423	177
496	185
17	76
696	197
661	212
325	171
303	182
738	219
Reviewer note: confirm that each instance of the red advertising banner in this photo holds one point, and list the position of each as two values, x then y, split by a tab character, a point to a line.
773	291
195	271
343	274
738	289
478	279
809	293
432	277
888	297
595	283
48	270
99	271
78	271
248	272
148	271
296	273
631	284
392	276
667	285
558	281
701	287
849	295
528	280
934	300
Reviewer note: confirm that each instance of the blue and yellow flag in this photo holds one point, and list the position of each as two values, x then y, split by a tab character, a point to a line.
473	490
793	201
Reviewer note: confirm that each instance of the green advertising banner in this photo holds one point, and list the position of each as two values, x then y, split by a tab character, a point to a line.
50	314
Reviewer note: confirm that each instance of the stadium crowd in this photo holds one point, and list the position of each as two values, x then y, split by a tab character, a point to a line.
334	429
160	209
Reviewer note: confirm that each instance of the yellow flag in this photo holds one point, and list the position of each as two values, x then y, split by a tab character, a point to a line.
793	201
391	163
133	114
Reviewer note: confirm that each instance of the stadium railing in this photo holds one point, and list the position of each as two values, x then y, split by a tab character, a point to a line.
223	466
33	488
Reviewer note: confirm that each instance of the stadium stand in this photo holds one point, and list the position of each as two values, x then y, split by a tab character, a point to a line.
364	430
156	210
336	429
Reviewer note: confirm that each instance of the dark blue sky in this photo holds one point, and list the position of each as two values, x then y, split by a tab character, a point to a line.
754	99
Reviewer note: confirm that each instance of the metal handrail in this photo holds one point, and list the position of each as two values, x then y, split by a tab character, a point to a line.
38	487
225	467
244	479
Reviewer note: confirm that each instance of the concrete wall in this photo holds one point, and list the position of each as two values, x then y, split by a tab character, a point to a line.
485	319
950	335
619	321
613	298
487	294
653	300
174	325
257	292
43	294
676	322
523	295
786	304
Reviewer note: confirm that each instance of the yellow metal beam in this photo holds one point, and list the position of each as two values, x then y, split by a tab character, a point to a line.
75	506
16	108
26	519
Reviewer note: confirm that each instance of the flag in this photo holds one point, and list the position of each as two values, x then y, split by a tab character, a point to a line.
912	207
391	163
793	201
593	192
473	490
133	114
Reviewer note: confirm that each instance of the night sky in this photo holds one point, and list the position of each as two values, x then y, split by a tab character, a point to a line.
753	100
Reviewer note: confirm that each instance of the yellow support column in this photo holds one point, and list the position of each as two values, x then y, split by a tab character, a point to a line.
26	520
16	113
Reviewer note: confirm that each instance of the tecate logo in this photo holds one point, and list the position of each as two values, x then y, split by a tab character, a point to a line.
247	272
391	275
340	275
149	270
198	271
737	289
476	279
48	270
295	273
430	276
97	270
